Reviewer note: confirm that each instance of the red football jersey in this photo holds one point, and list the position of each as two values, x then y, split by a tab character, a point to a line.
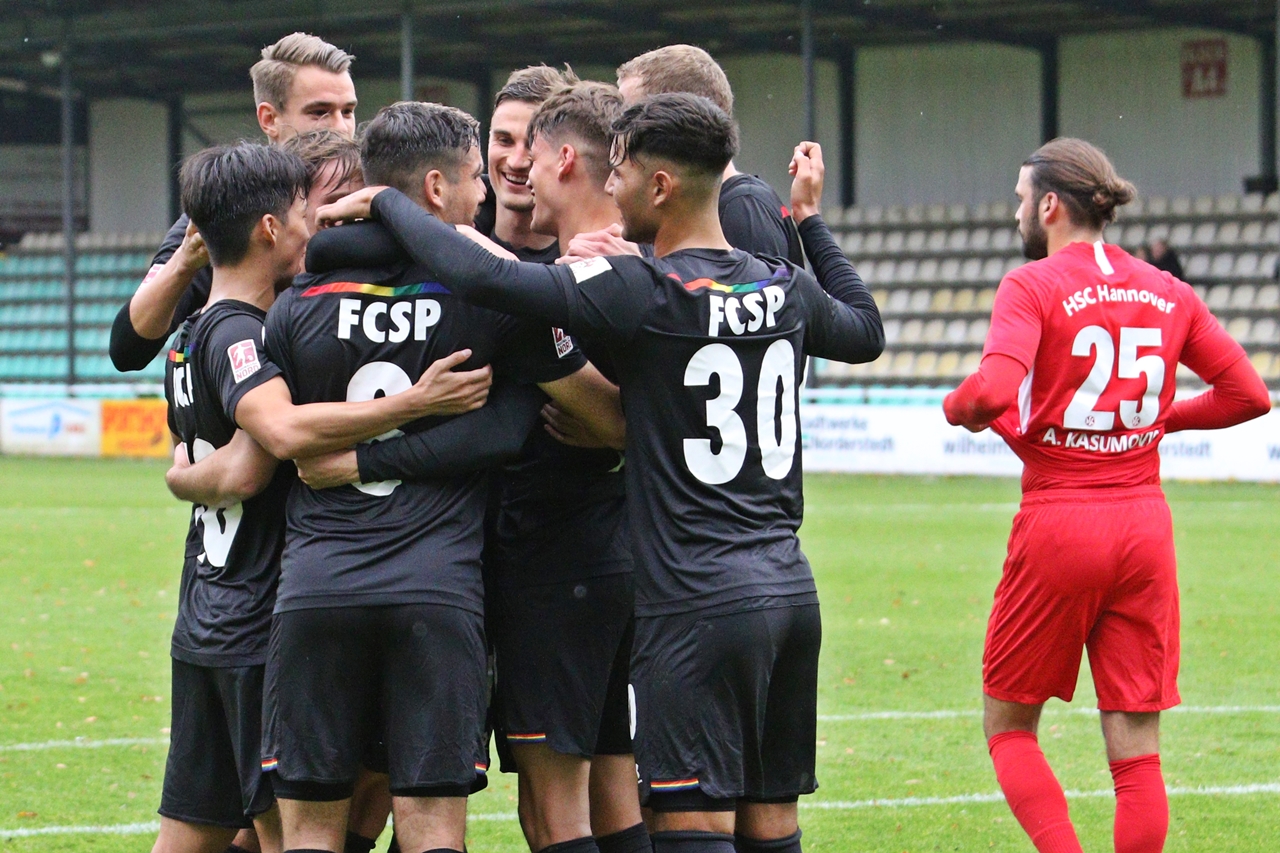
1101	334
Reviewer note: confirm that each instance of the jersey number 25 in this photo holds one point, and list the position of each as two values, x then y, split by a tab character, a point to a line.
1134	414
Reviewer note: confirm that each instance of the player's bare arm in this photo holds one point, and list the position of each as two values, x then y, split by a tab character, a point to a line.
231	474
289	432
590	401
152	305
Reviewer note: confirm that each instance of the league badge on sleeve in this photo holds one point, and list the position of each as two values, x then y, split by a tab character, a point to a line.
564	343
244	359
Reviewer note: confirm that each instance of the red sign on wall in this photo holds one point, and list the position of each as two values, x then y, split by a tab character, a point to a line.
1204	68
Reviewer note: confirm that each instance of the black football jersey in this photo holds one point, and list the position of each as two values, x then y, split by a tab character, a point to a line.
756	221
359	334
232	559
709	347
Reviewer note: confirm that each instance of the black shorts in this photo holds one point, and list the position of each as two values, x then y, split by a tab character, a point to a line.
335	676
726	706
214	771
563	662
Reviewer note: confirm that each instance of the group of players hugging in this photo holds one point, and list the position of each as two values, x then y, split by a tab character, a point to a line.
515	450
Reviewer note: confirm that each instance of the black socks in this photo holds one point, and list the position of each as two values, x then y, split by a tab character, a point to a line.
688	841
634	839
358	843
790	844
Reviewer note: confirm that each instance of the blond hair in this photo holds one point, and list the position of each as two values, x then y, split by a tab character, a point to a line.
680	68
273	74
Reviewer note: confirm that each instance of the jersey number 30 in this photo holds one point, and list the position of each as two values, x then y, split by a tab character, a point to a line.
1134	414
777	436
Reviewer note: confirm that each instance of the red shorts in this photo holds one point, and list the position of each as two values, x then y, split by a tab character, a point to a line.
1093	569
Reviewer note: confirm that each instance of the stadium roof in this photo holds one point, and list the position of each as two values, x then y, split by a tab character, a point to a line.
158	49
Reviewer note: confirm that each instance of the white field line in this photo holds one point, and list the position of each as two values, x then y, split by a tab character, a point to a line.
1049	712
964	799
819	805
82	743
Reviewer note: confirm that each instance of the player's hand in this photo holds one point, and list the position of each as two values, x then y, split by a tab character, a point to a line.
441	390
598	244
329	470
180	458
567	429
479	239
348	208
808	173
192	253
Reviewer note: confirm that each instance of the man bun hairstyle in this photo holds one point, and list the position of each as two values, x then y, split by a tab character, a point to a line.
534	84
227	189
273	74
319	148
1082	176
685	129
680	68
586	113
408	139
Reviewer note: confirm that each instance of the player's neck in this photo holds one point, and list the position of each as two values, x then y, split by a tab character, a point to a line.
694	229
244	282
1061	238
512	228
591	211
729	171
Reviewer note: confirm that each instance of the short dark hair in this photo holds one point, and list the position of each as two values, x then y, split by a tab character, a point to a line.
534	84
319	148
227	189
409	138
686	129
585	111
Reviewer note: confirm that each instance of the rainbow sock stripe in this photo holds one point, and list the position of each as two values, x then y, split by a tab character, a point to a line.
674	785
376	289
746	287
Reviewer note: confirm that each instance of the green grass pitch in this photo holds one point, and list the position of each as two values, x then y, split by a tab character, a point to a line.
89	564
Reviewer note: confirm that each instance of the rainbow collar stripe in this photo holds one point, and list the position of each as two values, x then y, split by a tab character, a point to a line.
747	287
675	785
376	289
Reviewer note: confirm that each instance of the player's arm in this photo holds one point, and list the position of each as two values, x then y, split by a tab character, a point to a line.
586	399
555	294
985	395
492	435
1237	393
231	474
141	326
287	431
847	326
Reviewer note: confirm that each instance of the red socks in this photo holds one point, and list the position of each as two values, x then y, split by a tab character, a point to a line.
1033	792
1142	805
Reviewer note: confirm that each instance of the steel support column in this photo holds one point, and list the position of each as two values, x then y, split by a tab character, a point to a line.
68	205
847	68
406	54
806	56
1049	90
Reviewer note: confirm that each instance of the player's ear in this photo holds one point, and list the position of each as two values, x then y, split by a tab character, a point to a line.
269	121
564	162
662	186
268	230
433	188
1050	207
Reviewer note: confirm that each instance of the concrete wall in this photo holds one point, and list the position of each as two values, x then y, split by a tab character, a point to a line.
944	122
1123	91
128	165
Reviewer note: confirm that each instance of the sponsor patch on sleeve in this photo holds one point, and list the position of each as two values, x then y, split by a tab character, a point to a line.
590	268
152	273
564	343
244	359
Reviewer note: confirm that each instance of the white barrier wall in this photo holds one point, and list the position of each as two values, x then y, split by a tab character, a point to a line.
944	123
886	439
51	427
1124	92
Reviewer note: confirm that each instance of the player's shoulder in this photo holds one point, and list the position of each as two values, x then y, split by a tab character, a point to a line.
227	318
744	187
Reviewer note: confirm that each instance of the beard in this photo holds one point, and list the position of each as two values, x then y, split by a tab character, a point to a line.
1035	242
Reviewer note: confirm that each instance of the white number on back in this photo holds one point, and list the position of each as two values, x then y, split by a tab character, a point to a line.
776	435
372	380
218	525
1134	414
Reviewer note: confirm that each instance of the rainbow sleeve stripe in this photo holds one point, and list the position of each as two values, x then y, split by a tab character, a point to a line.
376	289
674	785
708	284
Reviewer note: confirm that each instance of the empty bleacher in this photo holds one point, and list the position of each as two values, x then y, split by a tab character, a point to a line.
934	271
34	330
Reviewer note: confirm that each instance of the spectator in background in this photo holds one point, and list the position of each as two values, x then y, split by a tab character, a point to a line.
1163	258
1142	253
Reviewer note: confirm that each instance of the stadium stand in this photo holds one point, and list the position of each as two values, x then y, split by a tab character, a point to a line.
33	307
934	272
